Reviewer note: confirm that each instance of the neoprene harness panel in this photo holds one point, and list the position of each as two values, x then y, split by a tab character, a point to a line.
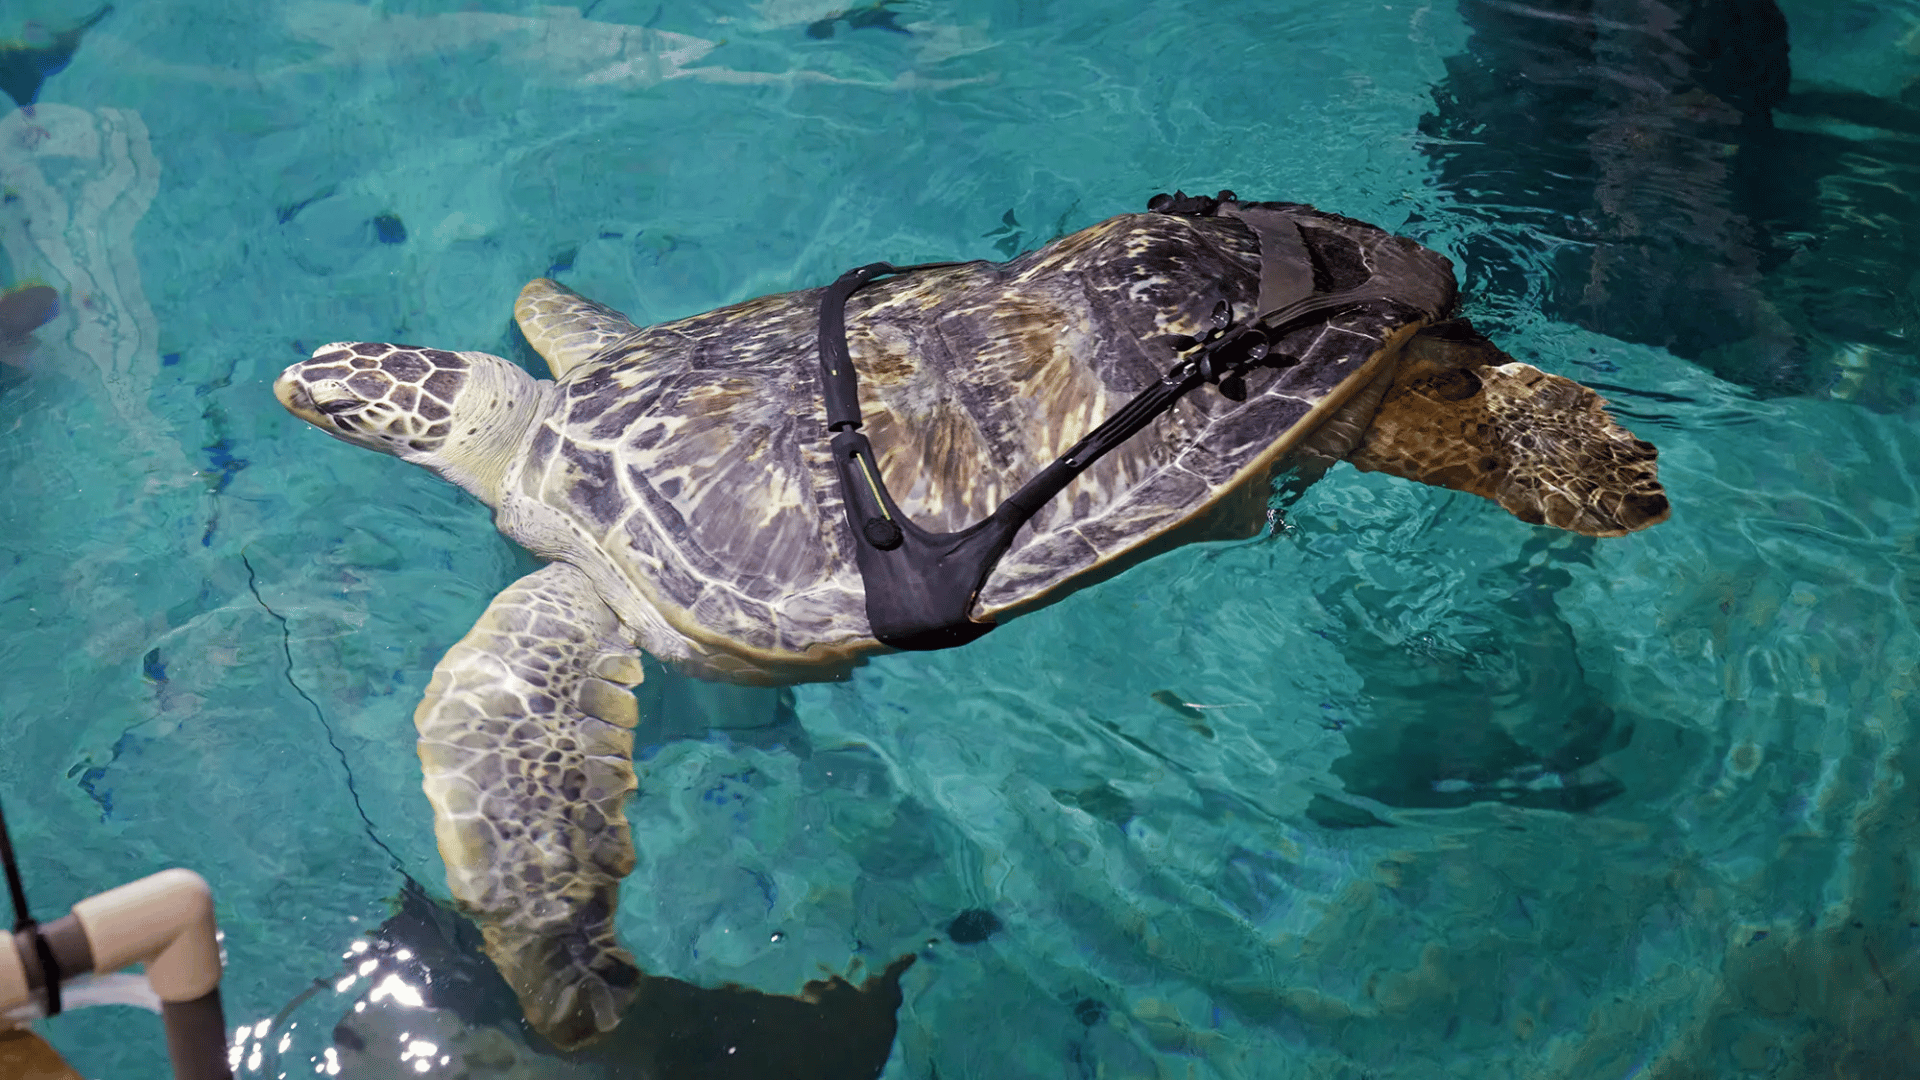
921	585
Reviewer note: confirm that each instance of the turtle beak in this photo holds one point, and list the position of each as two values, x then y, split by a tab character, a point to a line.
292	393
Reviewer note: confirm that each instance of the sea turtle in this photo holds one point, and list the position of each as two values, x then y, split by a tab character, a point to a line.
680	483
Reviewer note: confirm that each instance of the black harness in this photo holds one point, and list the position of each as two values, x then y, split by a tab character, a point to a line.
920	585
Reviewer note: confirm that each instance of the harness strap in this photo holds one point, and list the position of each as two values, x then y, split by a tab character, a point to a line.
1286	269
921	585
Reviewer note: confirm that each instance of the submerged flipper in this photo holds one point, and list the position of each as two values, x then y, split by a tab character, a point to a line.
566	328
526	736
1461	414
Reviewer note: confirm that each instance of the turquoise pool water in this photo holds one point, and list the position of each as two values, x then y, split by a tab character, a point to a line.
1445	795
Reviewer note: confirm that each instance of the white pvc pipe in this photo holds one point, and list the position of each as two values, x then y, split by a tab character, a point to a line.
13	977
86	991
165	922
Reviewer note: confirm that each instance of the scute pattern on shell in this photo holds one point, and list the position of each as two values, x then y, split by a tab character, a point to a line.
694	453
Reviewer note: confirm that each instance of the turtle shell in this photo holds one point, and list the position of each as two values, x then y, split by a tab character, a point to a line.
692	456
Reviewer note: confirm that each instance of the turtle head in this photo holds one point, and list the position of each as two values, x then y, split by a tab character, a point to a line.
1462	414
459	414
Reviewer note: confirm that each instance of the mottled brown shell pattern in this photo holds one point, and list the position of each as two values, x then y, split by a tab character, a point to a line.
695	452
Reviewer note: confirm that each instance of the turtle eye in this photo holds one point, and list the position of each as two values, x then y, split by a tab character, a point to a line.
337	406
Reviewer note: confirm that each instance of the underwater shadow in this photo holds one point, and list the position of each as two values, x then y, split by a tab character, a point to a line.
1645	169
1502	712
25	66
832	1029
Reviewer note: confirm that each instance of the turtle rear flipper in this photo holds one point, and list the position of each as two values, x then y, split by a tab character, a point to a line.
1461	414
526	737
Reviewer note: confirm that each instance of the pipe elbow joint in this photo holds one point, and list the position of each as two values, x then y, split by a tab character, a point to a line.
164	921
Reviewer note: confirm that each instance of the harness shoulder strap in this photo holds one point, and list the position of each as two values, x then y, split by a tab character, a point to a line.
1286	270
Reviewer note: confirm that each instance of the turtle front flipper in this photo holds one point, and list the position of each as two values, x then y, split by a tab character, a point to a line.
1461	414
526	737
565	328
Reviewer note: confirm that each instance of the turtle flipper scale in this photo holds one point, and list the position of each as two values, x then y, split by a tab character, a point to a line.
1461	414
566	328
526	738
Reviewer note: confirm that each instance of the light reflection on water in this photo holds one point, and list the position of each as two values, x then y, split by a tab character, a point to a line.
1654	785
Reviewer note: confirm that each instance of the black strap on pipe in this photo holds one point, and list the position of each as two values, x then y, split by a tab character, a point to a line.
23	923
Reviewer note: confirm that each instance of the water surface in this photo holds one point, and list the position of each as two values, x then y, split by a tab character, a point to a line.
1409	789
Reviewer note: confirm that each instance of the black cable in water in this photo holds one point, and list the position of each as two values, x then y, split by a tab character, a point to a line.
13	877
286	649
23	923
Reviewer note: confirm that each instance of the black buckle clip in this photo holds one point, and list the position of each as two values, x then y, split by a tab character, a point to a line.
1228	351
